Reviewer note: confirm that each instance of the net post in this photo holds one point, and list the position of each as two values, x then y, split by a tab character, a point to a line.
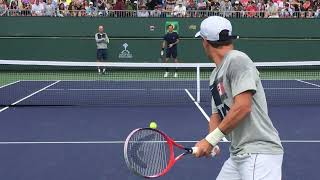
198	83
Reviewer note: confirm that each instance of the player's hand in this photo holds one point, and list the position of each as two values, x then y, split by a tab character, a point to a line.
204	148
162	52
170	45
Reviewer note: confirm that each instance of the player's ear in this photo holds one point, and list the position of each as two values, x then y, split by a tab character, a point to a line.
205	43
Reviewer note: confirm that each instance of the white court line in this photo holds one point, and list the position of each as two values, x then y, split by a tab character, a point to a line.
152	89
159	89
290	88
95	89
122	142
20	100
9	84
305	82
201	110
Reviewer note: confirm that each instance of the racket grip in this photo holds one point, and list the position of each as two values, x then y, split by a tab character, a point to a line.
215	151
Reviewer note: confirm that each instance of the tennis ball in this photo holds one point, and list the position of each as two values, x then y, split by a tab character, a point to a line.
153	125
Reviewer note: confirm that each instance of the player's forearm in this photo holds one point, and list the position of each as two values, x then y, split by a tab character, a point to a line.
176	42
107	39
99	40
237	113
214	122
163	44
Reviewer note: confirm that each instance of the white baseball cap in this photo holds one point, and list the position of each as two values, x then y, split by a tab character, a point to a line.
216	28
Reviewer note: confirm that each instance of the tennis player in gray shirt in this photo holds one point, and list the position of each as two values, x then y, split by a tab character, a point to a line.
239	109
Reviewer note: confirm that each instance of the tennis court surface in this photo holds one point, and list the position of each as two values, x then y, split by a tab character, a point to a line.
64	121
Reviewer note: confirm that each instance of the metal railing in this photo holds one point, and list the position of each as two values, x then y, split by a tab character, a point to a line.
160	14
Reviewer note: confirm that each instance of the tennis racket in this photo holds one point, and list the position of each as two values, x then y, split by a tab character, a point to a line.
150	153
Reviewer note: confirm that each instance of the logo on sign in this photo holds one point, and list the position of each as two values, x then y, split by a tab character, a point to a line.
125	54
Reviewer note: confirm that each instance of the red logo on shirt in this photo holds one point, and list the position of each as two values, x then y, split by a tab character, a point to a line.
220	88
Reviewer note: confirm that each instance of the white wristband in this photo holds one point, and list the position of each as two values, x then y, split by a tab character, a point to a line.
214	137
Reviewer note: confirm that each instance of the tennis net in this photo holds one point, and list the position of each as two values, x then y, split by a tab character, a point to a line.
60	83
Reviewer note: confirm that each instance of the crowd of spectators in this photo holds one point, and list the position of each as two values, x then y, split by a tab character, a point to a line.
163	8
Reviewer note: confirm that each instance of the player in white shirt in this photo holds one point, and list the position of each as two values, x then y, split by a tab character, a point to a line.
239	109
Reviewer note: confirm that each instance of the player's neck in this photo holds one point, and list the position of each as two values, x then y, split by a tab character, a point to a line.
219	54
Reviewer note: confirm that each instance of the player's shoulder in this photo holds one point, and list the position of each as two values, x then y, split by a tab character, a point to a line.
235	56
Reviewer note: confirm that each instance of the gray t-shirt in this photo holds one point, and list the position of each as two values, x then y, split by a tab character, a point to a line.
256	133
102	40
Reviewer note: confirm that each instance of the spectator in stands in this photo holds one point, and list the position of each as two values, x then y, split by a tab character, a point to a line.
118	7
214	6
109	5
225	8
244	3
296	6
151	4
37	9
157	12
71	9
180	9
286	12
251	9
238	9
201	5
77	8
101	6
84	4
42	3
91	10
315	3
191	8
64	3
14	9
3	8
280	4
26	9
49	9
272	10
130	6
62	10
306	5
170	4
317	13
143	12
310	13
261	8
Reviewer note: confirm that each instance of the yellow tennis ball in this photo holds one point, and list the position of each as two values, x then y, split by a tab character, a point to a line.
153	125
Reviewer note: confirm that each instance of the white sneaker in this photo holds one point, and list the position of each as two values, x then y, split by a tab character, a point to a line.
99	71
104	71
166	74
175	74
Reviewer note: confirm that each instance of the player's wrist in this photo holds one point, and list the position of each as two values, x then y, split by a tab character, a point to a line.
214	137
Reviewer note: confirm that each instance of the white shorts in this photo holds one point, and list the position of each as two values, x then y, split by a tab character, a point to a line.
252	167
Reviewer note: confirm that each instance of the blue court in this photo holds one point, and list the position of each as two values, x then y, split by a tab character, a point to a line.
74	130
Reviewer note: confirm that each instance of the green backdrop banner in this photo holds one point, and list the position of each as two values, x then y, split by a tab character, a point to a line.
139	39
152	27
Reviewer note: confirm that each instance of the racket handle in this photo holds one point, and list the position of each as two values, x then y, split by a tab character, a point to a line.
215	151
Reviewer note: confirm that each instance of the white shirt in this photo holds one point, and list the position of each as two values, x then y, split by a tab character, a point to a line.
143	13
179	10
37	9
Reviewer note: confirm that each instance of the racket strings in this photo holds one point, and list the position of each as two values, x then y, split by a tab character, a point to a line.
147	152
